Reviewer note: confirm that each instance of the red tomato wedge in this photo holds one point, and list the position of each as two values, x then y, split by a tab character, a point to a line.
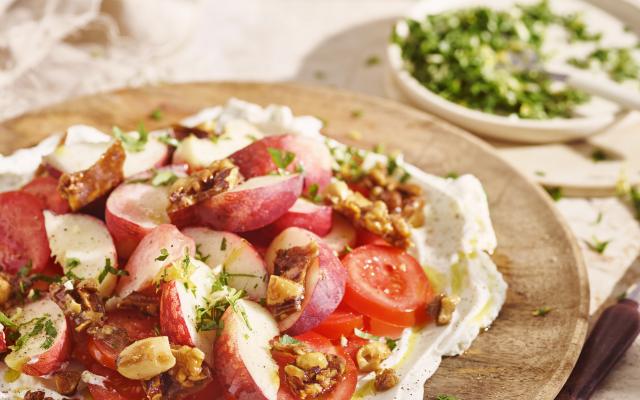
381	328
137	325
116	386
344	389
387	284
45	188
341	322
23	237
364	237
354	343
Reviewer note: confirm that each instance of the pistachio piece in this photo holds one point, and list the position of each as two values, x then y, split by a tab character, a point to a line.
146	358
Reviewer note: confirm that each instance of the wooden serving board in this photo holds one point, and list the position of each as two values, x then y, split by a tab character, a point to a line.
521	356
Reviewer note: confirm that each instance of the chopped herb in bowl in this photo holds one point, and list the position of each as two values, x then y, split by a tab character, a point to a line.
473	56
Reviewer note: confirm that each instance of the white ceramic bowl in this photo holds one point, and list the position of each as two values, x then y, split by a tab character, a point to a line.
597	116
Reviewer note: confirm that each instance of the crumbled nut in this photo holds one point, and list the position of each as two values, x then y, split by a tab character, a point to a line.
153	388
371	215
284	296
67	382
291	348
5	290
82	305
385	379
83	187
188	368
371	355
146	358
312	360
37	395
447	307
293	263
217	178
314	373
135	301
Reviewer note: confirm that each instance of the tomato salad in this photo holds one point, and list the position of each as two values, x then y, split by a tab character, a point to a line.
197	263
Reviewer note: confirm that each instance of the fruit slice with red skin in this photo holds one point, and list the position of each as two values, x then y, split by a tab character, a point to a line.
46	189
178	310
388	284
340	323
239	258
145	263
43	352
23	237
137	325
81	244
243	359
250	205
134	209
3	340
343	390
341	235
154	154
324	283
213	391
311	155
303	214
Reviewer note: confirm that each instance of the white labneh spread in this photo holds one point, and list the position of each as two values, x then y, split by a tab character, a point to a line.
453	246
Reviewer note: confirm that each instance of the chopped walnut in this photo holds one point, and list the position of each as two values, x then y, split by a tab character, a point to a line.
285	291
314	373
442	308
295	349
371	355
154	388
135	301
67	382
83	187
82	305
371	215
385	379
5	290
188	369
36	395
219	177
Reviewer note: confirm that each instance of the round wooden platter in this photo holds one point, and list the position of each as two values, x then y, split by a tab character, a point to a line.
521	356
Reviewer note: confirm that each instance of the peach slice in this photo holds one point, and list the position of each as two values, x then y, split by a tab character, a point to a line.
81	244
341	235
243	359
324	284
246	269
149	258
43	352
250	205
178	306
311	156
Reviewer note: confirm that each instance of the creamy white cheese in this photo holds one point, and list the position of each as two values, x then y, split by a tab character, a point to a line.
453	247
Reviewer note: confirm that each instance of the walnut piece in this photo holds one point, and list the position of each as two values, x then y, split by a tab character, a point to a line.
217	178
371	355
385	379
314	373
36	395
83	187
284	297
188	369
67	382
373	216
82	305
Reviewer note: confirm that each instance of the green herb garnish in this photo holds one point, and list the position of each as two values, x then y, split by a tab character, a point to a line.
555	192
164	178
372	61
599	246
542	311
282	159
286	339
133	141
156	114
109	269
6	321
446	397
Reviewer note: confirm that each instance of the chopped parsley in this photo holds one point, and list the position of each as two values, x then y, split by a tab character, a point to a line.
6	321
541	311
320	75
372	61
452	175
391	343
313	193
156	114
555	192
164	178
446	397
109	269
168	140
71	264
223	244
598	155
39	325
282	159
598	218
540	173
599	246
286	339
133	141
347	249
356	113
199	255
25	270
163	255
